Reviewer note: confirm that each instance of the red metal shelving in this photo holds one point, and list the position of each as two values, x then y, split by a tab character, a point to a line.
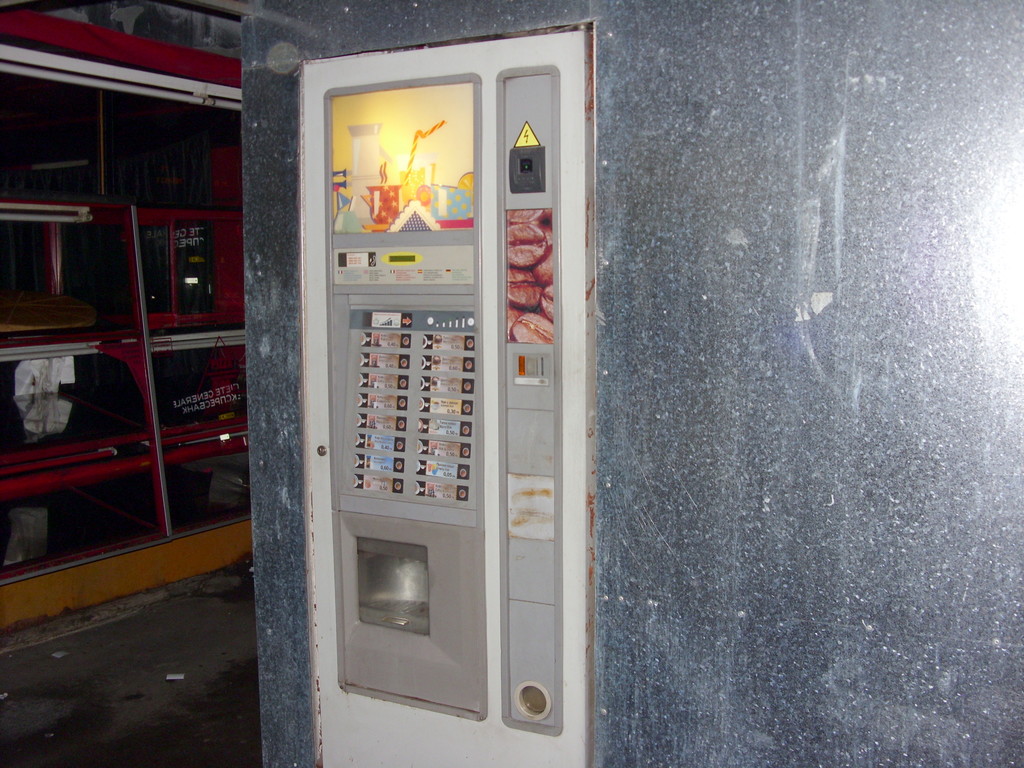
145	363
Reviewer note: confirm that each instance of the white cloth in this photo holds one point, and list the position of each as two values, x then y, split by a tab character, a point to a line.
36	387
33	377
28	534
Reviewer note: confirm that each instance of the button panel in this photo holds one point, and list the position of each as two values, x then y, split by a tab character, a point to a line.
410	437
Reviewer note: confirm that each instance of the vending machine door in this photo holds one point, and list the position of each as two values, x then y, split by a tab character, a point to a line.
447	401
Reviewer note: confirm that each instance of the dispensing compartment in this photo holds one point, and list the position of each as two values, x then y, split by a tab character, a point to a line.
394	589
412	612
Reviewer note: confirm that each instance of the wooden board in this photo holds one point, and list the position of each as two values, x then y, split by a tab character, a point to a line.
30	311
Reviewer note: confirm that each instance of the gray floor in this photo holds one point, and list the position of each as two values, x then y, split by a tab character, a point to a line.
91	690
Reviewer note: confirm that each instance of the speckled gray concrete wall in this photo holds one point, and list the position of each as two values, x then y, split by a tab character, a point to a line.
271	230
809	537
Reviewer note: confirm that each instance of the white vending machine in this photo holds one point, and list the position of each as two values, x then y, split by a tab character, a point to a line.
448	402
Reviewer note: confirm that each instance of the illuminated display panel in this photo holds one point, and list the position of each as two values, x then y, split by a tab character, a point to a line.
402	160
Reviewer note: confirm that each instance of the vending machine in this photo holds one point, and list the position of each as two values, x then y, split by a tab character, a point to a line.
448	401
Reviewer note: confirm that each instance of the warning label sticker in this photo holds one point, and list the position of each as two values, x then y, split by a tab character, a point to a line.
527	138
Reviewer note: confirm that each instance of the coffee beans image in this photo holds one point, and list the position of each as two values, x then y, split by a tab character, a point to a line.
531	276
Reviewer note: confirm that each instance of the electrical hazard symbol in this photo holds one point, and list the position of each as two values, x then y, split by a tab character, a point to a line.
527	138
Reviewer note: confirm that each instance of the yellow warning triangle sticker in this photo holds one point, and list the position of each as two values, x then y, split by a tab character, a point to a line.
527	138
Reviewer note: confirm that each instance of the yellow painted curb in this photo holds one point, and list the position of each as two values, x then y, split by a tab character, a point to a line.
82	586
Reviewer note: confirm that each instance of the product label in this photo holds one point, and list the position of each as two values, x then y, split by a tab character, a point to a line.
445	427
385	381
442	384
381	360
380	421
386	402
444	469
442	491
449	406
372	483
386	340
449	341
443	448
380	442
447	363
383	464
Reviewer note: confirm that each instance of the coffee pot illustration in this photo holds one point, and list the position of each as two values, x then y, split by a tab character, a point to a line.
367	158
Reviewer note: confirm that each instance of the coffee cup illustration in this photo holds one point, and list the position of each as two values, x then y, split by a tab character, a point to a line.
383	201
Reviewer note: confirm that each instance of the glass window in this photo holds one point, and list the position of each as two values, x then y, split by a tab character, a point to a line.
402	160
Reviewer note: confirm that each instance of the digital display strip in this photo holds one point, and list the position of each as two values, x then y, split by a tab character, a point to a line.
413	436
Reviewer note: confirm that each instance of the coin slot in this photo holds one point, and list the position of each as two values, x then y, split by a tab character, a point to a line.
532	370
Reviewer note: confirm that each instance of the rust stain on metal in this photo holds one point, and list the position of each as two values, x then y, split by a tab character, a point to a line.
586	229
525	512
529	517
527	493
531	510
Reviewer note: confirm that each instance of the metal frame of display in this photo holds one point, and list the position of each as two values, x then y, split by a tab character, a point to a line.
74	464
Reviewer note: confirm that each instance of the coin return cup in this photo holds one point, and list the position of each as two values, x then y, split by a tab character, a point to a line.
533	700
